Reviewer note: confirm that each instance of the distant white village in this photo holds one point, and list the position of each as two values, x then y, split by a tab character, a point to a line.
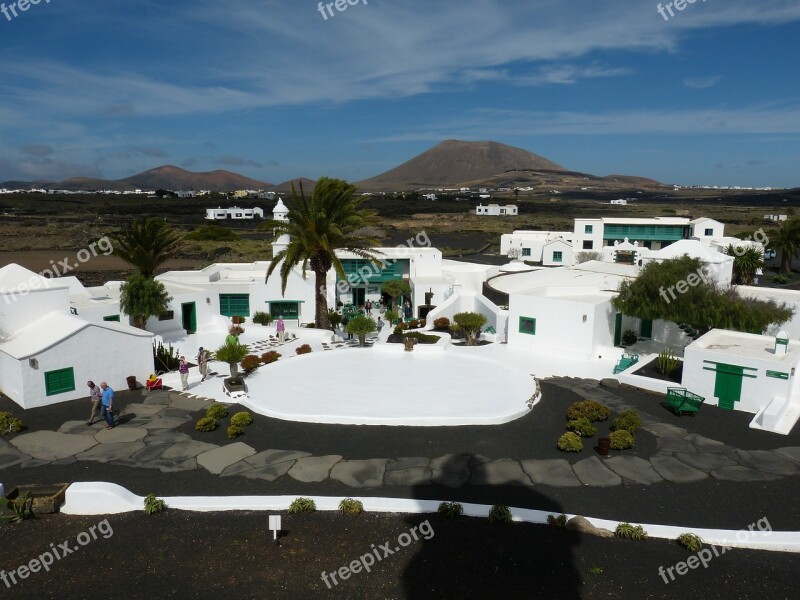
549	308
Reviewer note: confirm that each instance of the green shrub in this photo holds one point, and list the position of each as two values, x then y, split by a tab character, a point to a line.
217	411
570	442
560	521
398	330
270	357
335	318
349	506
582	427
422	338
621	439
667	362
690	541
302	505
262	318
241	419
450	510
780	279
234	431
442	324
630	532
20	508
153	505
629	337
500	513
212	233
304	349
250	363
470	323
206	424
9	424
628	420
588	409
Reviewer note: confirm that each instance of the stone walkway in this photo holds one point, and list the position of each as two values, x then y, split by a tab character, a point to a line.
148	440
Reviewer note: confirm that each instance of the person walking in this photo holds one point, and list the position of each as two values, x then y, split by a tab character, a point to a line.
281	329
183	369
95	397
202	361
107	408
368	306
380	323
345	322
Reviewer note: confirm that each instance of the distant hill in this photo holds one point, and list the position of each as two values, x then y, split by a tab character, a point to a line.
454	162
286	186
169	177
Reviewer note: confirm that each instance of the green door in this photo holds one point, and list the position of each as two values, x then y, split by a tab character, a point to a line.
189	317
359	296
618	329
646	330
728	385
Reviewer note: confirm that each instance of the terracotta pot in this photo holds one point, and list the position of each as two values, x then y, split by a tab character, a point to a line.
603	446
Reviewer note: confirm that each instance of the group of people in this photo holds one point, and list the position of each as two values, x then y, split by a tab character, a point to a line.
203	356
102	399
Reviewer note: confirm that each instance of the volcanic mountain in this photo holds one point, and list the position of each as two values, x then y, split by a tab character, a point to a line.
453	162
175	178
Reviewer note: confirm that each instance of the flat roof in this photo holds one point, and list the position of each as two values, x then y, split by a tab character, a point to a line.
746	345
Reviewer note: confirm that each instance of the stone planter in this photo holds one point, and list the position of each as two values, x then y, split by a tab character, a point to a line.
409	344
45	499
603	446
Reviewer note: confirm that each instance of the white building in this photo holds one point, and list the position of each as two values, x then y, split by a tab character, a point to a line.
234	212
185	193
431	197
47	353
775	218
495	210
619	201
267	195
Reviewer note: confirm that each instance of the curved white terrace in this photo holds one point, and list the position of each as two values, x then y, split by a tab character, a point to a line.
374	387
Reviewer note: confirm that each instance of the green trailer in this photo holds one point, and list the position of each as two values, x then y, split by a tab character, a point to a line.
681	400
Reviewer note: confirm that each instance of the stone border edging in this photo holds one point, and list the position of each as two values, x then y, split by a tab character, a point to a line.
101	498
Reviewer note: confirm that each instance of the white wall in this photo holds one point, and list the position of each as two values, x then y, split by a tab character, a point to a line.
567	255
19	310
465	302
97	353
580	235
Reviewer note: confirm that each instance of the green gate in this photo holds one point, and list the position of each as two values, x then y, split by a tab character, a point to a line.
646	329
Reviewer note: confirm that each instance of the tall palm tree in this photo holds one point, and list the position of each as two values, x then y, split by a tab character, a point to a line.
747	262
145	244
318	226
786	240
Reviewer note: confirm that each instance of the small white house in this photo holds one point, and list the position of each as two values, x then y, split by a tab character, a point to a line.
267	195
775	218
186	193
47	353
234	212
431	197
618	201
495	210
747	372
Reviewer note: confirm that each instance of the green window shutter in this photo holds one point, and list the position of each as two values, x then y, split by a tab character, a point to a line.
111	318
287	310
526	252
527	325
557	257
60	381
588	228
233	305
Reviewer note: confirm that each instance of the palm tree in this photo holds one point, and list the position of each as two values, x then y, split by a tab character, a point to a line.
232	352
747	262
317	227
786	240
145	244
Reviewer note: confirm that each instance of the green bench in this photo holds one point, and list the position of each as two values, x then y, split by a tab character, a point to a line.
627	360
680	400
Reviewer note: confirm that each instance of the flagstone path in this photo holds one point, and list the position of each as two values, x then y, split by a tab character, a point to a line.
148	440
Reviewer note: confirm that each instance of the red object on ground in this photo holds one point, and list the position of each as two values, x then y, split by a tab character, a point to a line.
154	384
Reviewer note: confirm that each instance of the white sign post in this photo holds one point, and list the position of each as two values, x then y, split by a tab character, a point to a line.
275	525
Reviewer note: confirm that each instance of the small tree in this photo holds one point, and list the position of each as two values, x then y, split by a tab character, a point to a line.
395	288
142	298
514	253
361	326
232	352
335	318
747	262
586	256
470	324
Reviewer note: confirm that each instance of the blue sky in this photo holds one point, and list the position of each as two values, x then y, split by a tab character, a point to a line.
272	90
